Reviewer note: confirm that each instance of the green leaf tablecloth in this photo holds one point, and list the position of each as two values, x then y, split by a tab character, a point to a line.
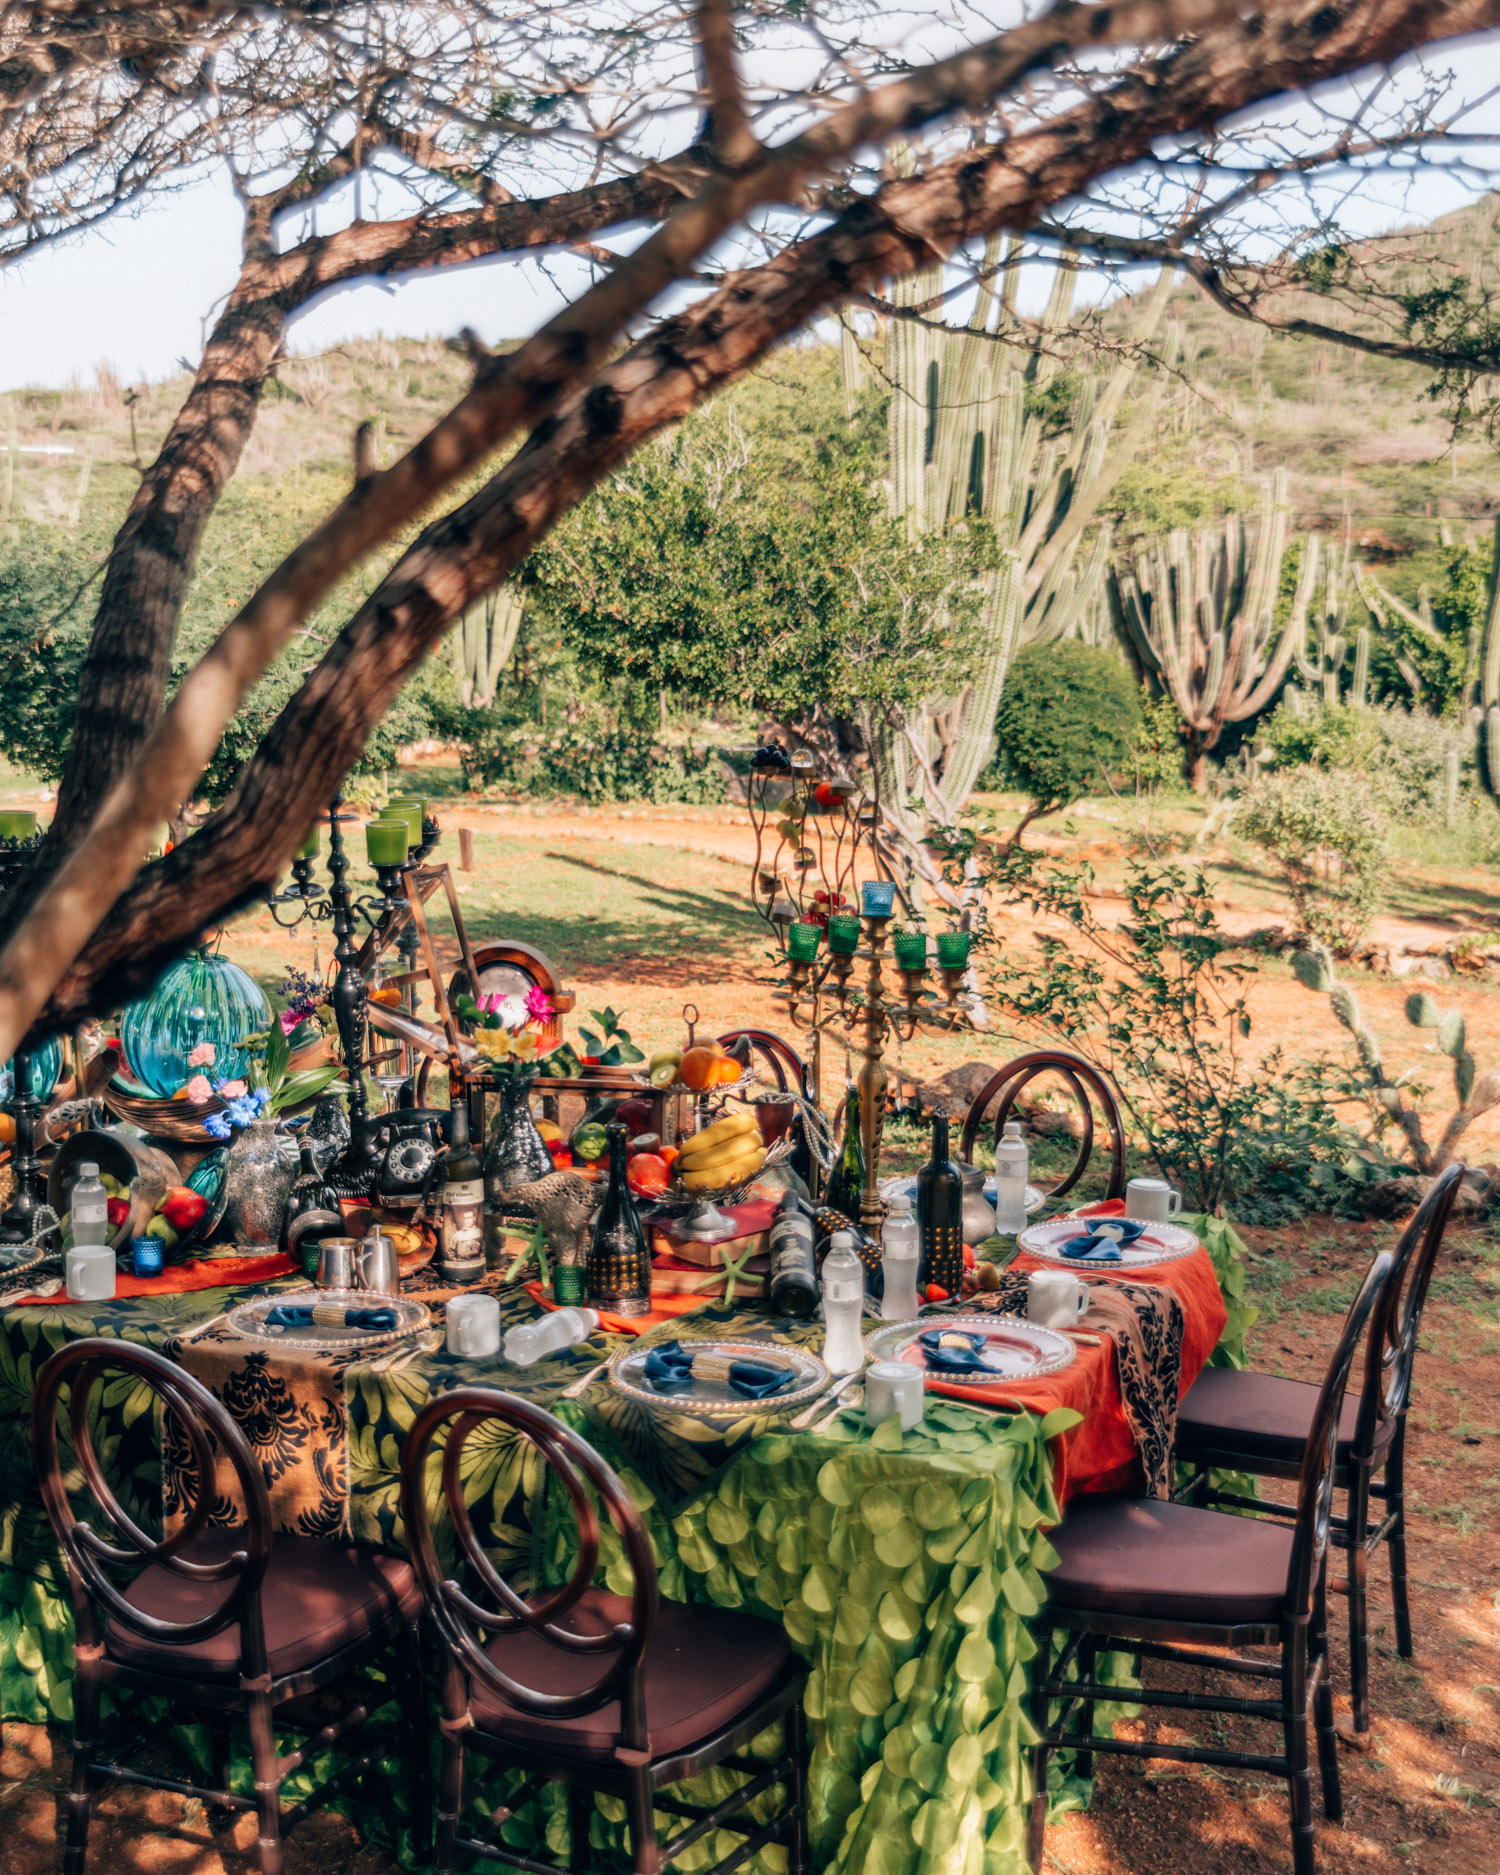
903	1567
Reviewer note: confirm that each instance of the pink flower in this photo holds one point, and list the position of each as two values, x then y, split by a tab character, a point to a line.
198	1089
538	1003
201	1056
491	1001
231	1090
289	1020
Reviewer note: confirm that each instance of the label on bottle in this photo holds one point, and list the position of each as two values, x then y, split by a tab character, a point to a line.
91	1210
793	1284
462	1255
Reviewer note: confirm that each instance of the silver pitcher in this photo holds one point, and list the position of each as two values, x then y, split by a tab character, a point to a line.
375	1263
337	1268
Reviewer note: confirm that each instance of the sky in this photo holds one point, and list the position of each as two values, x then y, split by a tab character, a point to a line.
137	292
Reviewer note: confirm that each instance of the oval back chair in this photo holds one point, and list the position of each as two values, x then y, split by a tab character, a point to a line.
224	1617
1083	1080
780	1060
620	1695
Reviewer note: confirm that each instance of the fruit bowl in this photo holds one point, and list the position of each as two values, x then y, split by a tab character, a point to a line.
705	1221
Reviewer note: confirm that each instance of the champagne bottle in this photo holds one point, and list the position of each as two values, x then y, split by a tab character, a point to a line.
619	1265
940	1205
846	1188
461	1253
793	1286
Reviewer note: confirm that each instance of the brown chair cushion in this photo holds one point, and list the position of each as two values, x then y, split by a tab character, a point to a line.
703	1668
1171	1562
1261	1418
316	1598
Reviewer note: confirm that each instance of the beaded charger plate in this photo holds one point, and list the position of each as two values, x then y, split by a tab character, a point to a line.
1014	1349
709	1391
1157	1243
249	1319
906	1186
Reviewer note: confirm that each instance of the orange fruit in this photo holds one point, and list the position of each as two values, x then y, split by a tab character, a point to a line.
7	1130
700	1068
726	1071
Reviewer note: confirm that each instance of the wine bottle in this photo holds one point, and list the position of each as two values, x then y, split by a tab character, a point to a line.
793	1286
461	1247
619	1264
310	1191
940	1206
846	1188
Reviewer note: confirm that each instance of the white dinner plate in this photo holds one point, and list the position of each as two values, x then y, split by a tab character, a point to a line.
1016	1350
1157	1243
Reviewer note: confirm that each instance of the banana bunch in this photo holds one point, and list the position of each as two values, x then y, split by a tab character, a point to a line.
724	1154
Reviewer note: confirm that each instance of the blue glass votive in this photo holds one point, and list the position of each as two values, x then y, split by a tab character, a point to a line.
877	898
146	1255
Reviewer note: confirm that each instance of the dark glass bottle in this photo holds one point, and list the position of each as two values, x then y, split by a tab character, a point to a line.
846	1188
940	1207
461	1249
793	1285
311	1191
619	1265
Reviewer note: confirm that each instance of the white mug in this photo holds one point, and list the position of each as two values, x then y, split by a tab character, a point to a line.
474	1326
1055	1298
893	1389
1151	1200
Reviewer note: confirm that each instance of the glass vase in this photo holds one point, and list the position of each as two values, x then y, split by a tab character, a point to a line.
198	999
516	1156
258	1177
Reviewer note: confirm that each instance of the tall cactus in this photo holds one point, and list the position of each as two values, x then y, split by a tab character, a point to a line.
964	444
1201	615
1488	713
482	643
1322	652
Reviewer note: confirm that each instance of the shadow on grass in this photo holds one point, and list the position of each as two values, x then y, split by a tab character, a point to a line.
697	924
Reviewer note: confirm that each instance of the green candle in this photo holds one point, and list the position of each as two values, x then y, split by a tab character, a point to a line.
17	823
386	842
803	939
953	949
309	847
411	813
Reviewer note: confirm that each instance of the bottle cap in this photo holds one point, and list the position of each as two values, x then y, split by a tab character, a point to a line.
1012	1130
841	1243
88	1169
899	1201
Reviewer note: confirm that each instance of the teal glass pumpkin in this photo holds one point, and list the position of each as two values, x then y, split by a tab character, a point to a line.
198	999
46	1066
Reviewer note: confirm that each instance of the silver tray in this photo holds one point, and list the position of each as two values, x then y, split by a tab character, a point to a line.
249	1320
1022	1350
1157	1243
627	1376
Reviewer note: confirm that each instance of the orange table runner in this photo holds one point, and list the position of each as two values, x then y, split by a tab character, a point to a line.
665	1307
179	1279
1100	1454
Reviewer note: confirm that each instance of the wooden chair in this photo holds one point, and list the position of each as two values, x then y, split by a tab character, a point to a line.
1247	1421
1169	1581
780	1060
1080	1075
618	1695
228	1619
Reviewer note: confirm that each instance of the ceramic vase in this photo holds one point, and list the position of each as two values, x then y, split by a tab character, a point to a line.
258	1176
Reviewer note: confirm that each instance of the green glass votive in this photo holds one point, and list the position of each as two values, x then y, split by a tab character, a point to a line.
17	823
844	929
802	940
309	847
386	842
952	949
911	950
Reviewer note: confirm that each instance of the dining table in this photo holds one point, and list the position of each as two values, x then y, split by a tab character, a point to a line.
905	1566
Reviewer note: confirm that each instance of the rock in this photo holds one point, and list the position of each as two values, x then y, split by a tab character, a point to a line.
958	1089
1398	1197
1437	968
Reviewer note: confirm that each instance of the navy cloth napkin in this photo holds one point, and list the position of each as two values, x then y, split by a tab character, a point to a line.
966	1359
300	1315
1101	1245
669	1369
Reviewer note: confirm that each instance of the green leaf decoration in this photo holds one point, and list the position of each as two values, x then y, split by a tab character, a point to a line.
1060	1419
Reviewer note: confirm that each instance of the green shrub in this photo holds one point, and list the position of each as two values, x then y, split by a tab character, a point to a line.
1401	756
1325	832
1069	716
590	761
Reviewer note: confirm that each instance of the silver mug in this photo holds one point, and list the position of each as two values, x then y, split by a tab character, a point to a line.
376	1265
337	1268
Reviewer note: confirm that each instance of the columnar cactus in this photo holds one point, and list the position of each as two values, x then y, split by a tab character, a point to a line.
1489	681
482	644
1201	615
963	444
1322	653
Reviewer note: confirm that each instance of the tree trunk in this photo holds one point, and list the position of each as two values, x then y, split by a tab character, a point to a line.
123	679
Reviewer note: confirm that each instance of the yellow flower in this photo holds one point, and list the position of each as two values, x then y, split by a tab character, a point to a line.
493	1043
524	1045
